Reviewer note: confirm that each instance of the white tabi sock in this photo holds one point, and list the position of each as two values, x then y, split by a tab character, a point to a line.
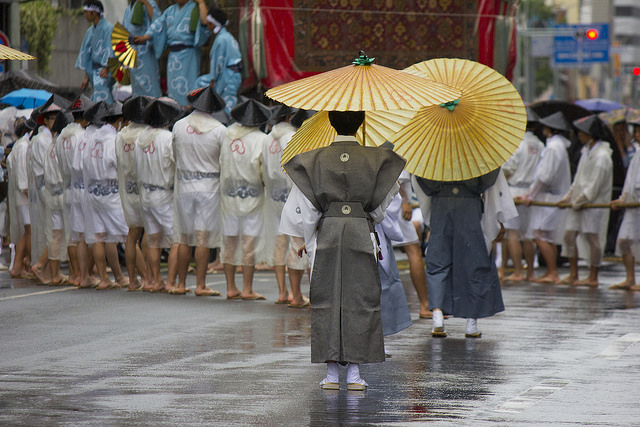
353	374
438	319
472	326
332	374
13	255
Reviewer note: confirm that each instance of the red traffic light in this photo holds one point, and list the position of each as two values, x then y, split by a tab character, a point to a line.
592	34
636	71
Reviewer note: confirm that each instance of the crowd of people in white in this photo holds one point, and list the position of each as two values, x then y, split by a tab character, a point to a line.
152	175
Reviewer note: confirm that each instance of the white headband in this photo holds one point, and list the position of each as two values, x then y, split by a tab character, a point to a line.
218	26
93	8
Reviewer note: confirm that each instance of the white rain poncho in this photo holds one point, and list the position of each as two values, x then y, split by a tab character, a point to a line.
552	181
18	188
521	170
38	197
241	187
592	183
197	221
103	213
277	186
156	174
55	219
128	174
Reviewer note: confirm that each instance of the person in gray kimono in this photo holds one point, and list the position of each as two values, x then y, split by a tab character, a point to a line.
344	189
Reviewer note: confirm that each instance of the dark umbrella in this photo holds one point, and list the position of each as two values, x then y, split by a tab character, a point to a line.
17	79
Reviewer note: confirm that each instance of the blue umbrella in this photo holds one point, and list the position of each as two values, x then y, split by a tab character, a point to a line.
26	98
598	104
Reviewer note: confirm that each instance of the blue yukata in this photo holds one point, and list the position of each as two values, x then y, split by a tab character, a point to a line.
225	68
93	56
145	77
172	30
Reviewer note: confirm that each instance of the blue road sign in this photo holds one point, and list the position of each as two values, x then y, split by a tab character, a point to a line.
573	47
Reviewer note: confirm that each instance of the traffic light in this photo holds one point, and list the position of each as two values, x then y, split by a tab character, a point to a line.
636	71
591	34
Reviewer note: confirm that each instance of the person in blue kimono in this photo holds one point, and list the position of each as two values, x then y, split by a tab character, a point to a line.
225	66
179	29
145	77
95	52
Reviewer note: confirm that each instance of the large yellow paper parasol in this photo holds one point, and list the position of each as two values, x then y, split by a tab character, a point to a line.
317	132
467	138
8	53
363	86
122	47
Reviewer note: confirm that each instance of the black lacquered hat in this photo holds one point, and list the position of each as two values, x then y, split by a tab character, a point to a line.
80	104
55	103
62	120
532	117
251	113
113	111
300	116
555	121
161	112
591	125
281	111
206	99
95	113
133	108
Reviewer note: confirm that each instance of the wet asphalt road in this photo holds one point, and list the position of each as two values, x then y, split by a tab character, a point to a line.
557	355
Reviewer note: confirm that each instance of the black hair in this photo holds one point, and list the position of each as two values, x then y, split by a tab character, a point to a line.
21	129
346	122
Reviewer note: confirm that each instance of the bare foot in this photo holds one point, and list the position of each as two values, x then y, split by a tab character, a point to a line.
123	282
17	273
252	296
299	302
159	287
60	280
178	290
234	295
106	284
586	282
547	278
134	286
569	280
74	280
626	285
41	276
206	292
283	299
515	277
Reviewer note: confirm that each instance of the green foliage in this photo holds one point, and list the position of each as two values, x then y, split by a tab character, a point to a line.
38	25
537	13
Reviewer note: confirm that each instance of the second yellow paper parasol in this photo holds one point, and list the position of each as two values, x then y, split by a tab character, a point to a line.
317	132
362	86
466	138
